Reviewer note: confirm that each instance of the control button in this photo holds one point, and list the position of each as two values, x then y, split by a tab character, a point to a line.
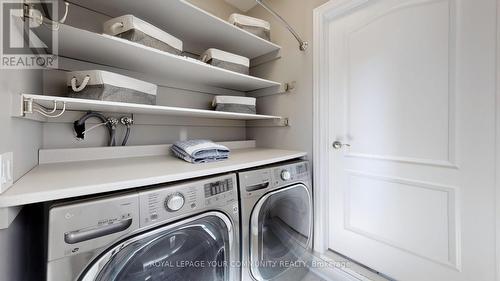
285	175
174	202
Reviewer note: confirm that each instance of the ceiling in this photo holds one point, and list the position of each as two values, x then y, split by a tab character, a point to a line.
243	5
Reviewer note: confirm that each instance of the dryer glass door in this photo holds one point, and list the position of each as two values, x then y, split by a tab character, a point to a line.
196	250
281	230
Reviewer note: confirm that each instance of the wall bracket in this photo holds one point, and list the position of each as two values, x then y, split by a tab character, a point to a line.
282	122
284	88
29	106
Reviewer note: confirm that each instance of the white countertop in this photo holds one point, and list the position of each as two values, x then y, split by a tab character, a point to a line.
48	182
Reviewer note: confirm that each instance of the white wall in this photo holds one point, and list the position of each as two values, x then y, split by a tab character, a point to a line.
218	8
293	66
156	130
24	138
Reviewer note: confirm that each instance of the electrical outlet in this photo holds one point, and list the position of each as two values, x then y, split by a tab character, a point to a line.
6	171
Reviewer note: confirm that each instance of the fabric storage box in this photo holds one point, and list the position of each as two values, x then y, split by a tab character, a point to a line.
226	60
136	30
235	104
256	26
108	86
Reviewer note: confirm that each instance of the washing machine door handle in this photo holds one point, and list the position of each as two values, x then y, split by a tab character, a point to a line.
82	235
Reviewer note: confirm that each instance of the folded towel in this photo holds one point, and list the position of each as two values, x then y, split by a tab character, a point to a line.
200	151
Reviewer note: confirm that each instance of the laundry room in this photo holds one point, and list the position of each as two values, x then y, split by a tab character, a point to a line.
249	140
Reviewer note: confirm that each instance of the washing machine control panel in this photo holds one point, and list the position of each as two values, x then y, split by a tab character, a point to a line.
286	175
175	201
218	189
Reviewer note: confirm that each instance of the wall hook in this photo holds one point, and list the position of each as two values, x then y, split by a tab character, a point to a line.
30	107
30	12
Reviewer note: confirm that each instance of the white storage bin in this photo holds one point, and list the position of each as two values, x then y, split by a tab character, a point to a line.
108	86
235	104
226	60
255	26
139	31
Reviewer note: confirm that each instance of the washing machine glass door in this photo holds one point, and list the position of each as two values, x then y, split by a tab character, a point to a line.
194	250
281	230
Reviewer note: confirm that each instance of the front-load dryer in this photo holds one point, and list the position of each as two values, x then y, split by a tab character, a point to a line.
276	222
187	231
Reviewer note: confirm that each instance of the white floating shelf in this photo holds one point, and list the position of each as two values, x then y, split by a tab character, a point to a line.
120	53
197	28
73	104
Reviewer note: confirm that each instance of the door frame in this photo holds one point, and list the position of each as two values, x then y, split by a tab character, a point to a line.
323	135
497	145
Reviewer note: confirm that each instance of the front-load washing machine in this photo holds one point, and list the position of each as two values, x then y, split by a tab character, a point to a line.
187	231
276	222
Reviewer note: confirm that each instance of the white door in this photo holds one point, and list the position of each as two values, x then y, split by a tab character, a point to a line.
413	94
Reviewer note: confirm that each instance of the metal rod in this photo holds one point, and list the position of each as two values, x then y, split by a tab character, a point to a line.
303	44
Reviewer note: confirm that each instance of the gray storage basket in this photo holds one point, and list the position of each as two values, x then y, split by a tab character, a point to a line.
108	86
229	66
112	93
138	31
226	60
258	31
237	108
142	38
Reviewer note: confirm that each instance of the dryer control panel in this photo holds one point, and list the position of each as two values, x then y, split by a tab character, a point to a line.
260	181
290	173
172	201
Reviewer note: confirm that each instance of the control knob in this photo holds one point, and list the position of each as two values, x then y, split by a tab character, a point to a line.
174	202
285	175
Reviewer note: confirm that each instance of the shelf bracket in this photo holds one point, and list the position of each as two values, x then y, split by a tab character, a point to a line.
20	108
281	122
284	88
30	107
27	107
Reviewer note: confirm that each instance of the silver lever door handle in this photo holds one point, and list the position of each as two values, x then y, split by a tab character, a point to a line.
339	145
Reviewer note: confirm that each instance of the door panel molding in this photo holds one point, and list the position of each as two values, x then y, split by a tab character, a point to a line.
453	246
450	158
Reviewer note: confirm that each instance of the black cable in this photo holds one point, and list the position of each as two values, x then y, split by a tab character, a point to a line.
112	140
127	135
46	10
79	126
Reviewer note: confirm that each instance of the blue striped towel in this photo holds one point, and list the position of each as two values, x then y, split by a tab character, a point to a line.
200	151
